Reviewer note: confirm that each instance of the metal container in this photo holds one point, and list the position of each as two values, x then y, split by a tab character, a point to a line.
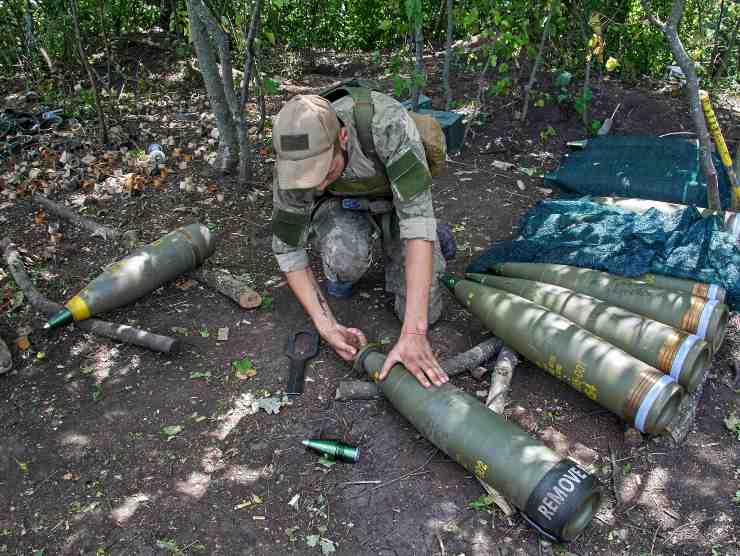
705	318
139	273
683	356
556	495
637	392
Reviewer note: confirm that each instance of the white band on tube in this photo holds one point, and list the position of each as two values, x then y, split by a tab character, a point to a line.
683	351
649	400
713	290
701	330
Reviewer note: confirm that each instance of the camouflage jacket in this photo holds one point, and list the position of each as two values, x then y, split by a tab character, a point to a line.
398	147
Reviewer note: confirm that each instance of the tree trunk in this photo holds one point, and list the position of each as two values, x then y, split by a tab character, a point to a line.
419	66
448	56
228	142
245	168
670	30
720	69
90	74
717	28
537	63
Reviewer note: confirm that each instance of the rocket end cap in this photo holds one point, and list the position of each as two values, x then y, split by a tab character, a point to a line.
62	317
450	281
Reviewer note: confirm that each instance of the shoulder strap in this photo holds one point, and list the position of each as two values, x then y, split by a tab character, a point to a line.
363	112
364	118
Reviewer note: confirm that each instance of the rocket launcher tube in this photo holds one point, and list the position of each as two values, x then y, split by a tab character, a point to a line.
141	272
675	352
554	493
606	374
680	310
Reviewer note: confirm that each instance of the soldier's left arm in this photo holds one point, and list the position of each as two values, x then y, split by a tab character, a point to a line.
399	147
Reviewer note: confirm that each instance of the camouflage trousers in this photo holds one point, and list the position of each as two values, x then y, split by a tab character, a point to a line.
348	240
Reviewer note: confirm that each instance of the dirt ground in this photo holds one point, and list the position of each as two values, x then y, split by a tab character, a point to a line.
88	464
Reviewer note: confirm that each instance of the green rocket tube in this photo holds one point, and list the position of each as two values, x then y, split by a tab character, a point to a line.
555	494
705	318
638	393
682	356
139	273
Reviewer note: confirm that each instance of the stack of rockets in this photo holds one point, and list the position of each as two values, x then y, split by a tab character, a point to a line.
635	346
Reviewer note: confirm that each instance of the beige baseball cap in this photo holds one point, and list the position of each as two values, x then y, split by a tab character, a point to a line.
303	134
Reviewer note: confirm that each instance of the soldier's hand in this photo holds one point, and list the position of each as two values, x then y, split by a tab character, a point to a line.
415	353
345	341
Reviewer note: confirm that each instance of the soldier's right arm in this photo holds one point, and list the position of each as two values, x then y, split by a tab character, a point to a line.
291	218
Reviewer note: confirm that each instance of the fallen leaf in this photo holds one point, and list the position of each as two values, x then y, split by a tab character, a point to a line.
171	431
184	284
327	546
39	217
22	343
71	476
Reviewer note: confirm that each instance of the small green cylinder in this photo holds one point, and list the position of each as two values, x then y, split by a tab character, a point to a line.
637	392
554	493
707	319
683	356
334	449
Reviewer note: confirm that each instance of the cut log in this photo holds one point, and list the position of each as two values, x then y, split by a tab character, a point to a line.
6	361
679	428
93	227
458	364
119	332
357	390
233	287
503	370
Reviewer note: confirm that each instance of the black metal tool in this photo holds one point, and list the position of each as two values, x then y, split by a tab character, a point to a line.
302	346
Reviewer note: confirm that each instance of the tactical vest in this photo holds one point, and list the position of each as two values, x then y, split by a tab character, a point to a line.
375	186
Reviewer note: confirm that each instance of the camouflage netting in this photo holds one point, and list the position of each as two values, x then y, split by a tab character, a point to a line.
662	169
587	234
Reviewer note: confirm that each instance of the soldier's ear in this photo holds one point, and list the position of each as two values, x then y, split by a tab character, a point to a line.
343	137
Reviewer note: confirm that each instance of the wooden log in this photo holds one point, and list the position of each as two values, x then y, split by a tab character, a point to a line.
503	370
679	428
357	390
6	361
233	287
93	227
455	365
119	332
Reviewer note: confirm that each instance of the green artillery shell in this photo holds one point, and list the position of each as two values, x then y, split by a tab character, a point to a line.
707	319
334	449
638	393
141	272
730	220
682	356
699	289
554	493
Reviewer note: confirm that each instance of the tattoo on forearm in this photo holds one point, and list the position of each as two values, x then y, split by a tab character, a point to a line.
326	311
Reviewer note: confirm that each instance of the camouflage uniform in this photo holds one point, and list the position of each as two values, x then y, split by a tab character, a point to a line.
346	238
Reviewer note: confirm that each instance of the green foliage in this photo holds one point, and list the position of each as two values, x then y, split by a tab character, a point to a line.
614	34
